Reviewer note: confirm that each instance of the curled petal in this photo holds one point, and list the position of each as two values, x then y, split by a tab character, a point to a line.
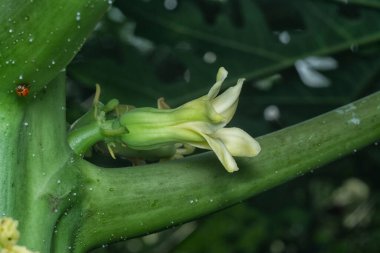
238	142
226	103
222	153
220	77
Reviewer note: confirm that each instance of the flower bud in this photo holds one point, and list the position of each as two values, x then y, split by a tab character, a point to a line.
199	123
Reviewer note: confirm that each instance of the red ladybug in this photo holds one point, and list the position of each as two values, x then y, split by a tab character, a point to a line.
22	90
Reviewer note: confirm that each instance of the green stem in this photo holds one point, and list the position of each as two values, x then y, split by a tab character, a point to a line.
82	138
127	202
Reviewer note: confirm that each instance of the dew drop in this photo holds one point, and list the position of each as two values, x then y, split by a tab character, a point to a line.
209	57
170	4
78	16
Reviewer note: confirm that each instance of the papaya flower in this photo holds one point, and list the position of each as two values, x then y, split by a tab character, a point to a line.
199	123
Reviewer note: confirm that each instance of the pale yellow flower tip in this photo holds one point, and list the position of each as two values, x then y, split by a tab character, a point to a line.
229	142
225	104
9	234
238	142
221	75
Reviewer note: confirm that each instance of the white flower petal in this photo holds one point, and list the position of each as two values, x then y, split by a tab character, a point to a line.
238	142
222	153
220	77
226	103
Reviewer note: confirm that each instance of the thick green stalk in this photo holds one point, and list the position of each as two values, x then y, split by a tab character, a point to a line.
127	202
35	183
37	40
42	154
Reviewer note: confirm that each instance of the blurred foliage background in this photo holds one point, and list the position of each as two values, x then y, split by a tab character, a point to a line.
301	58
